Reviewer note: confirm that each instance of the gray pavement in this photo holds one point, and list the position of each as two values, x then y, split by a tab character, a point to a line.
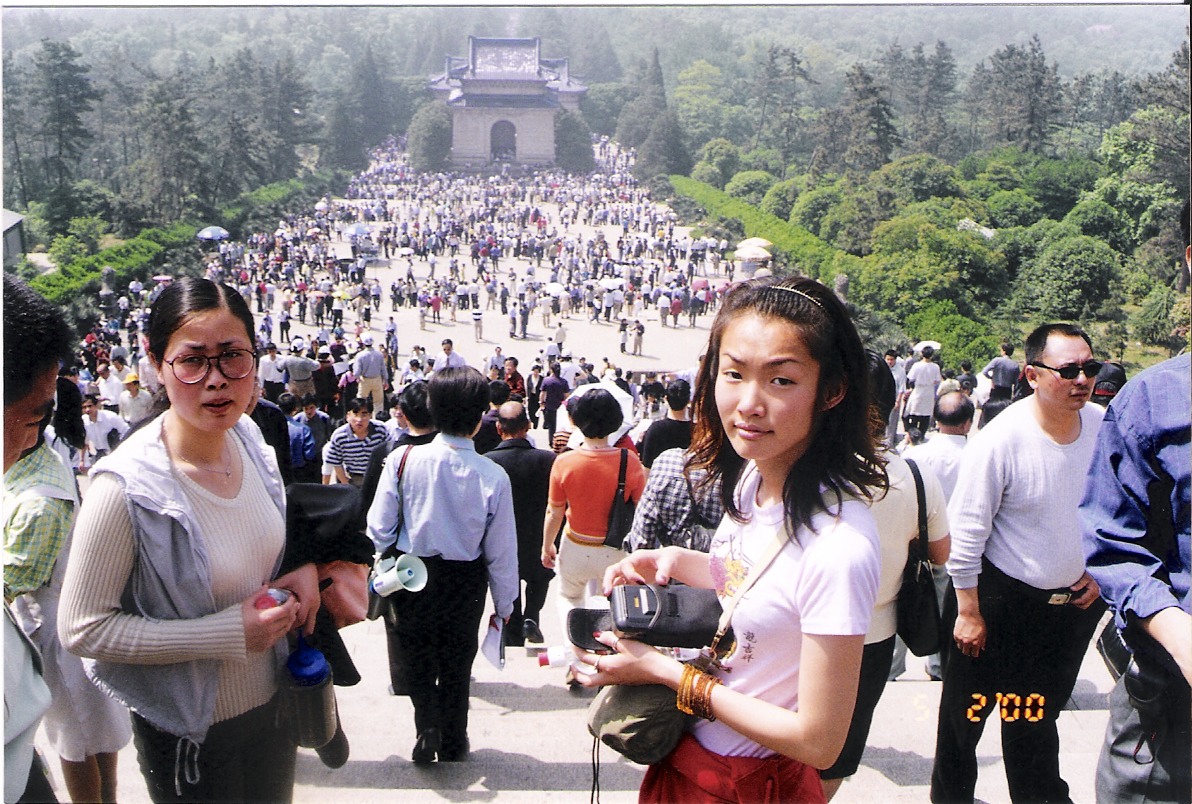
528	734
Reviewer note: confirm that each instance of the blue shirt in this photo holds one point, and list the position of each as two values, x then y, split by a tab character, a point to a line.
452	503
1141	467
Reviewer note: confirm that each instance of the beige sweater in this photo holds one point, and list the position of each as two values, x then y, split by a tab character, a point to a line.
243	537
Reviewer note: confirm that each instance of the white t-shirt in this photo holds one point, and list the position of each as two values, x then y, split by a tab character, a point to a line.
926	376
825	583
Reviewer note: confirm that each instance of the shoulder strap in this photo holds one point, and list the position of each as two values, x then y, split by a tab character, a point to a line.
392	549
621	475
921	501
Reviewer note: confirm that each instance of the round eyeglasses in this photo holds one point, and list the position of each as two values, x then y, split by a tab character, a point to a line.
234	364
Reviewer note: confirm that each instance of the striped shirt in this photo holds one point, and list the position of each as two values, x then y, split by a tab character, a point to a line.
352	453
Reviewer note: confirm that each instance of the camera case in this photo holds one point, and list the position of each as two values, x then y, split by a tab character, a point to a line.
672	616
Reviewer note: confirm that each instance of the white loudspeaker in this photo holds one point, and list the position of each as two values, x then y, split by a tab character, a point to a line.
408	572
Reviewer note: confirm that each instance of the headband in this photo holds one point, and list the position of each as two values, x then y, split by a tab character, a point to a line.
797	292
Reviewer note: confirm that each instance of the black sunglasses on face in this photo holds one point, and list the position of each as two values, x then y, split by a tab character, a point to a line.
1090	368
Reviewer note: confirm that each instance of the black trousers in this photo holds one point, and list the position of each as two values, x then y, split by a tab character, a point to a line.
1146	752
535	598
875	670
247	758
1023	678
438	634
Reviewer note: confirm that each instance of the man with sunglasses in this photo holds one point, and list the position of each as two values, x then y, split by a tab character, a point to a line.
1024	607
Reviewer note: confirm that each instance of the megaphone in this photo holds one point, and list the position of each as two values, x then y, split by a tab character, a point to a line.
407	572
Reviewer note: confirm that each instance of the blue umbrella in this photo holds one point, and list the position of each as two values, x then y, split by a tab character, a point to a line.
358	230
213	233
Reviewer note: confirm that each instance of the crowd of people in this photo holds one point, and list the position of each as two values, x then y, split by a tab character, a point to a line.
791	462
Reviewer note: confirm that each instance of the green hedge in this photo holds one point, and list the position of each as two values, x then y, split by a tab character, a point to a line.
139	258
793	245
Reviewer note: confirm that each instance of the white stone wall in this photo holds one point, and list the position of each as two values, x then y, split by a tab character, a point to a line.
471	143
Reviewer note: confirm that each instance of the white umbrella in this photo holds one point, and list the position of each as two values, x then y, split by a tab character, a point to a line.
321	206
611	282
404	251
760	242
555	288
753	253
760	272
623	399
935	345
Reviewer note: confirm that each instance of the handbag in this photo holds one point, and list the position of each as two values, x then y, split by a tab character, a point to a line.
620	514
642	722
918	609
376	603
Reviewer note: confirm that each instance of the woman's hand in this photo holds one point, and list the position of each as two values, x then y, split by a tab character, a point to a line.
263	627
303	584
641	567
631	662
550	555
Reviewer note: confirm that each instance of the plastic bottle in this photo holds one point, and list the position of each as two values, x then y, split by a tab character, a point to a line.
271	598
559	655
311	695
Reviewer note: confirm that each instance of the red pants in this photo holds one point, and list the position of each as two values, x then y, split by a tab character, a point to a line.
694	775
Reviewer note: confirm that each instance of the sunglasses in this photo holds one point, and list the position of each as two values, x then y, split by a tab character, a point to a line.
1089	368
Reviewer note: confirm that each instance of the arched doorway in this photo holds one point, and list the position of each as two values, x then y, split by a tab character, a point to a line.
503	138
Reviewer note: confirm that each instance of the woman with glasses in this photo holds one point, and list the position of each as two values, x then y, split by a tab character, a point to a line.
177	541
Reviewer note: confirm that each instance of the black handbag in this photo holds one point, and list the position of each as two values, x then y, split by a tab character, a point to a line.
620	515
918	609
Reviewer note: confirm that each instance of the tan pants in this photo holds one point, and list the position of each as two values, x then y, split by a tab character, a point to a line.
372	387
577	565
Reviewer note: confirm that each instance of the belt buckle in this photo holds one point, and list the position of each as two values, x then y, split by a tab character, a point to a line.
1059	599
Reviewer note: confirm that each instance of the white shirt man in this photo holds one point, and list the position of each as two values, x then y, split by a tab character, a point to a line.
97	424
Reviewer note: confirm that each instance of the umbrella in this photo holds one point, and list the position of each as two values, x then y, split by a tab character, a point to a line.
321	206
611	282
753	253
555	288
699	282
760	242
163	278
935	345
314	230
358	230
213	233
404	251
760	272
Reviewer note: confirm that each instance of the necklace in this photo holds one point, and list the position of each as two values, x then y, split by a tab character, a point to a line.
226	471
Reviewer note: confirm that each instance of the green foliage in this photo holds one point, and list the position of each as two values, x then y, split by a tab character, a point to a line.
88	231
1138	286
602	106
67	249
780	198
917	178
1071	275
793	245
960	337
811	207
1013	208
573	143
724	157
1058	184
664	152
1152	323
707	173
768	160
1097	219
750	185
429	138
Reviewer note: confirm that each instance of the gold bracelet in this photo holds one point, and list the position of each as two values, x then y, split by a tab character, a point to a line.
683	697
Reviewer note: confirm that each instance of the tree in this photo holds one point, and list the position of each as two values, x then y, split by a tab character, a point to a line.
868	119
343	146
664	151
1013	208
429	138
1018	95
169	175
1152	323
777	95
602	106
750	185
923	89
639	117
1097	219
573	143
780	198
723	156
1070	276
64	94
16	115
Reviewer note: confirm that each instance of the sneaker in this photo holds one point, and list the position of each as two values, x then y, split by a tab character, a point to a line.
533	632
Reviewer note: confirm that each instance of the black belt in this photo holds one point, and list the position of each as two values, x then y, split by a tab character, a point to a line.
1052	597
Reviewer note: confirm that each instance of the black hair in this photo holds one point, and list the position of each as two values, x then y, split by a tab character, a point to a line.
288	403
596	413
1036	342
678	394
882	387
514	359
310	399
186	297
1008	348
991	409
360	404
457	396
498	392
36	338
954	409
414	406
92	398
843	454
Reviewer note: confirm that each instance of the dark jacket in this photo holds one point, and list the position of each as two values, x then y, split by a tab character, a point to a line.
529	473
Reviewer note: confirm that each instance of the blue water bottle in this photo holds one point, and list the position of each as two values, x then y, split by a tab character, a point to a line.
312	698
